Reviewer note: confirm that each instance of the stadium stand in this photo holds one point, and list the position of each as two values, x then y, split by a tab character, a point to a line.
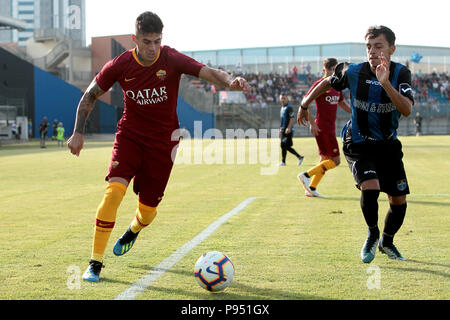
267	87
261	109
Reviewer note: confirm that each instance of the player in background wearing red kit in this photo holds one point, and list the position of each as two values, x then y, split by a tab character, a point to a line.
323	128
149	76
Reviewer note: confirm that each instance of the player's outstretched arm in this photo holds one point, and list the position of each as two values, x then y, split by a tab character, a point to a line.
322	87
224	79
85	107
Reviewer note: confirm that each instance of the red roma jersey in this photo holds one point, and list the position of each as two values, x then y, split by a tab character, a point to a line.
150	92
326	108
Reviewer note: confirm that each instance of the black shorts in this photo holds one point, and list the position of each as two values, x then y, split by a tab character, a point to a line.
378	160
286	140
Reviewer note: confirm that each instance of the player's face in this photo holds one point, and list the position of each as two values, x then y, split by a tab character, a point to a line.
374	48
284	99
148	45
329	72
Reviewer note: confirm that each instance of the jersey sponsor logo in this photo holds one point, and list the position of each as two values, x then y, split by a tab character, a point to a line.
161	74
374	107
406	90
332	99
148	96
374	82
130	79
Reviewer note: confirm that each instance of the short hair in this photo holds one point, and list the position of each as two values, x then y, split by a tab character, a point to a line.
148	22
375	31
329	63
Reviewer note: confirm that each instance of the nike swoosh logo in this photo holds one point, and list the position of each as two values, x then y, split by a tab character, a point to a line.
128	80
104	225
407	89
210	271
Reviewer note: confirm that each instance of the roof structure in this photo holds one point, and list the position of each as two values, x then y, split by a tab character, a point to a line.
11	23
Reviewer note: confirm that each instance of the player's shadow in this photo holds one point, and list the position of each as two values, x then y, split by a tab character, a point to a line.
249	292
383	199
421	269
429	263
434	203
112	280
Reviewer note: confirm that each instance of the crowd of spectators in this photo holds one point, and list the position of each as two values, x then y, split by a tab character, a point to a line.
429	89
266	88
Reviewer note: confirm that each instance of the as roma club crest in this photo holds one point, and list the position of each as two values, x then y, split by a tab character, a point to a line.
161	74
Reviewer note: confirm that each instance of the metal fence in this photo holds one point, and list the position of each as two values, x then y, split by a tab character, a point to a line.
436	119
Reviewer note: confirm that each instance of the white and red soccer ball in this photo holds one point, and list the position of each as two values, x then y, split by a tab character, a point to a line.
214	271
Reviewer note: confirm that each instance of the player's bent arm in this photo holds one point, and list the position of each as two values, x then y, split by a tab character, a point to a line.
402	103
223	79
290	124
321	88
86	106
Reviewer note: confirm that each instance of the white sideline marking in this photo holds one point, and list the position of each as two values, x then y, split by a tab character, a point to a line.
143	283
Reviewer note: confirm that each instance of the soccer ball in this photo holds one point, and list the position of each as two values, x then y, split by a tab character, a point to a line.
214	271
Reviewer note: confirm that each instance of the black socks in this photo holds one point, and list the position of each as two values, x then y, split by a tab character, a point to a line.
369	207
393	222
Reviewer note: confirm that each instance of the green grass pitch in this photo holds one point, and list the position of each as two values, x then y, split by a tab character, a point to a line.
284	246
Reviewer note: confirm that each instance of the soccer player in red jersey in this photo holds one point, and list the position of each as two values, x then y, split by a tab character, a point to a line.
144	146
324	130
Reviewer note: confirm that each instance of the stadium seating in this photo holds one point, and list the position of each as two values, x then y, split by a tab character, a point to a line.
429	88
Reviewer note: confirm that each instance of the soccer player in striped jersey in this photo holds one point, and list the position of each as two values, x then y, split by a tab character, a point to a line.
323	128
380	94
146	139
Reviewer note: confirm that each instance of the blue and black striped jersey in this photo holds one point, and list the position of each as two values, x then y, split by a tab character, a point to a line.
286	113
374	116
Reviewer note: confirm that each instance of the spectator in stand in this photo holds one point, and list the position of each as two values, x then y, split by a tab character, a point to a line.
268	86
14	130
43	129
30	129
55	129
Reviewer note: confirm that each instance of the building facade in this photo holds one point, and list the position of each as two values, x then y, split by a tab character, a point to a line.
45	17
309	58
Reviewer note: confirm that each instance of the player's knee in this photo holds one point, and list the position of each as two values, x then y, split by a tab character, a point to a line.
120	180
397	200
336	160
114	193
146	214
371	184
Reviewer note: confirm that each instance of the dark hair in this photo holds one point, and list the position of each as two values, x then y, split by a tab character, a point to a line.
148	22
329	63
375	31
